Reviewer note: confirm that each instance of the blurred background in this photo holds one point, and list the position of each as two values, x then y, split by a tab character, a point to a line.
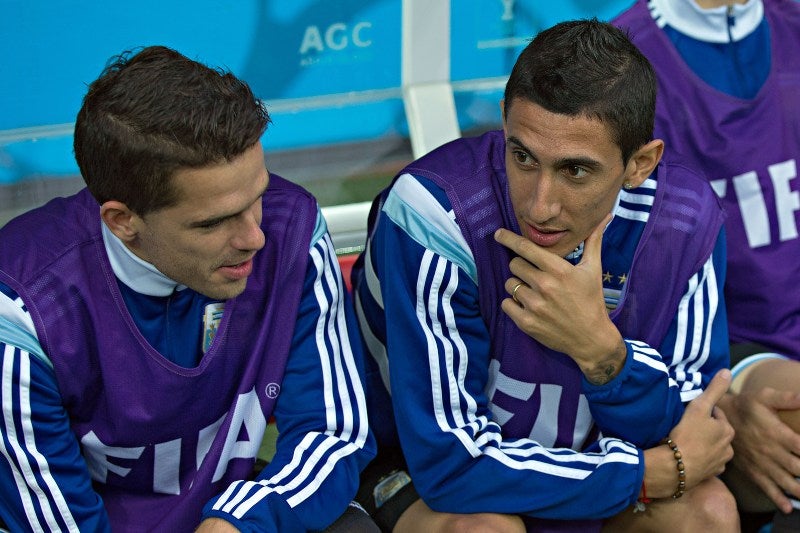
356	88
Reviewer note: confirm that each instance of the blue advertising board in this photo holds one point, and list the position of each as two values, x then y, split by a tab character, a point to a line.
329	71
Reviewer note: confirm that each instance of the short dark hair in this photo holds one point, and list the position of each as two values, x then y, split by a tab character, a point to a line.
588	67
157	111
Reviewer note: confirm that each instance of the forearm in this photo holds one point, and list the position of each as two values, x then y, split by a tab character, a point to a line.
606	361
323	441
314	473
305	487
525	482
655	384
642	392
41	465
661	472
460	461
458	457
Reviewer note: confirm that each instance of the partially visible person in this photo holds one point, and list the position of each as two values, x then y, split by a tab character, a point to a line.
151	324
728	84
540	304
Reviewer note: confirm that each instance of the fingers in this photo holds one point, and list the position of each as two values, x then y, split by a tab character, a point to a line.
516	288
785	477
764	416
594	242
773	492
527	250
509	239
514	292
780	400
517	313
770	476
545	260
715	391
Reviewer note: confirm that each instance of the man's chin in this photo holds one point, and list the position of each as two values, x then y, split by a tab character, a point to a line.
224	291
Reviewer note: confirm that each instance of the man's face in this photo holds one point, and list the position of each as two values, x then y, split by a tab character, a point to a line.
208	239
564	174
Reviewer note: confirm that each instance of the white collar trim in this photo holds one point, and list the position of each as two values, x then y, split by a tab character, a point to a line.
133	271
709	25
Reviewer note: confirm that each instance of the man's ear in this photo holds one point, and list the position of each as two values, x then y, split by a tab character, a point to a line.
642	163
120	220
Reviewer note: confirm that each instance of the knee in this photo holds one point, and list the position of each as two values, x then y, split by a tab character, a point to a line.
420	517
482	522
716	507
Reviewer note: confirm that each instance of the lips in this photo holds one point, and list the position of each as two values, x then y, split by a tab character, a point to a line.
544	237
237	271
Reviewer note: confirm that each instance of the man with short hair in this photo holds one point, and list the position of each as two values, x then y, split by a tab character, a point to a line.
540	304
153	323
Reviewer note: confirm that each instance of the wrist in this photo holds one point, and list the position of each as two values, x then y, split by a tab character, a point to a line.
680	468
661	474
606	363
659	468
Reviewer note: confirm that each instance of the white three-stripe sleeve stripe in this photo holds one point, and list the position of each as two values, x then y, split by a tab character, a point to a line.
433	331
436	283
23	455
696	312
342	392
709	282
321	256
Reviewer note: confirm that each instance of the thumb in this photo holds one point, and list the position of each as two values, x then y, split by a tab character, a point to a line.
716	389
593	244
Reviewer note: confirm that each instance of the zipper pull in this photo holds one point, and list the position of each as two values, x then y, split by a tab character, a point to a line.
731	21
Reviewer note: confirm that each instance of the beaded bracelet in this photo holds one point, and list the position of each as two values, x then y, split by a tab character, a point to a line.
681	469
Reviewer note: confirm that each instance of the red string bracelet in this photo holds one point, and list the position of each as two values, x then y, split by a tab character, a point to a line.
639	507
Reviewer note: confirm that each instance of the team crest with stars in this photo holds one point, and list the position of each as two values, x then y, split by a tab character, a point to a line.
613	285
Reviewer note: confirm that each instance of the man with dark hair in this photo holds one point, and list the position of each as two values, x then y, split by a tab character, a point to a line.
543	309
151	325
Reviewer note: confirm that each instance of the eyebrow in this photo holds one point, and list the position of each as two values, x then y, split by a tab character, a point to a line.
221	218
513	140
587	162
210	221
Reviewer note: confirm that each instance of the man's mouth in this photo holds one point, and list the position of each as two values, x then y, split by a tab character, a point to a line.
545	237
237	271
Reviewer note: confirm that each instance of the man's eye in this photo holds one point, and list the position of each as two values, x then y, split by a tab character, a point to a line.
575	171
211	224
522	157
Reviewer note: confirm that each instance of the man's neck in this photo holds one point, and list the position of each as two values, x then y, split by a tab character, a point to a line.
135	272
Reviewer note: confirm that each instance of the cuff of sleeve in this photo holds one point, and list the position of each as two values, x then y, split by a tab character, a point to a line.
271	515
606	390
637	487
